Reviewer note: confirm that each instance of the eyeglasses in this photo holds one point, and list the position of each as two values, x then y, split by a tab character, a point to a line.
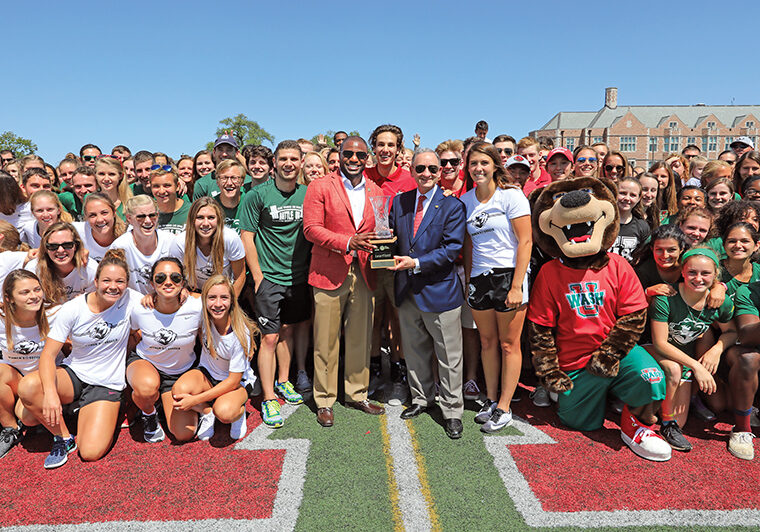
230	178
160	278
505	151
616	167
452	162
752	193
421	168
65	245
361	155
165	167
89	158
106	155
584	159
141	217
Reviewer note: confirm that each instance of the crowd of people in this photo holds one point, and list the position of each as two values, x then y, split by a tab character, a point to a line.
177	289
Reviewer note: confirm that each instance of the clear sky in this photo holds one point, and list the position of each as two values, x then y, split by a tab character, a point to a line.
160	75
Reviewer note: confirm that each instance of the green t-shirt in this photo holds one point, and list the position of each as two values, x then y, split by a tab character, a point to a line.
685	324
207	186
174	222
72	204
232	216
276	218
747	299
716	244
732	283
137	189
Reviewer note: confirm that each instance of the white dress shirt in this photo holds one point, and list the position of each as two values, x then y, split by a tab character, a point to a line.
356	197
425	204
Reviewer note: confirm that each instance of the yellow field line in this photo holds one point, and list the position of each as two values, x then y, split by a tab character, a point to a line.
435	524
398	524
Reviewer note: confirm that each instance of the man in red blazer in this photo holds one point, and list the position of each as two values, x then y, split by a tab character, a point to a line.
339	220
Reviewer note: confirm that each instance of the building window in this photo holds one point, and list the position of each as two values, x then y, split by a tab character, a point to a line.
712	144
711	125
596	140
627	143
729	140
670	144
750	124
673	125
570	143
704	144
652	143
691	140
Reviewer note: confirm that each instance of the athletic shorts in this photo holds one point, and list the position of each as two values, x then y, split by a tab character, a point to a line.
384	287
166	380
278	305
639	381
85	393
488	291
208	376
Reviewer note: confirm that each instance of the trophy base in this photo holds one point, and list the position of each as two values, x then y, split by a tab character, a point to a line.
382	256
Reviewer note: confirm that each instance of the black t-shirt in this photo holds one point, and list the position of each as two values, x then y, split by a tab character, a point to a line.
630	236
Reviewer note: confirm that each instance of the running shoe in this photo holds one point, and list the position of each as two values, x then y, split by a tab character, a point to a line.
499	419
152	431
699	408
741	446
9	437
398	394
287	392
238	428
540	397
303	384
674	436
471	390
59	454
485	412
270	414
206	426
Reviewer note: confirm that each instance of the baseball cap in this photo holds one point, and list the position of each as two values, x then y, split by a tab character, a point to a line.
743	140
518	159
560	151
226	139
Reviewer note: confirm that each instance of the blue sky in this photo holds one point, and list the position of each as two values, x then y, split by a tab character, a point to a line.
160	76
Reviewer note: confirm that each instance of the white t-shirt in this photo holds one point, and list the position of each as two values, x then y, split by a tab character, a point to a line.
488	224
204	266
98	341
139	264
168	339
27	345
22	215
79	281
97	252
9	261
230	357
30	233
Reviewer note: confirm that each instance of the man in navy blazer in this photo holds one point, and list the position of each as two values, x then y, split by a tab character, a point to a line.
430	228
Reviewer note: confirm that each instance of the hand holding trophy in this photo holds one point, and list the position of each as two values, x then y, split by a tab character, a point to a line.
385	241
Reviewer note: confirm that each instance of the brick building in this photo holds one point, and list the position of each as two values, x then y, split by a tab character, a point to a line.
645	133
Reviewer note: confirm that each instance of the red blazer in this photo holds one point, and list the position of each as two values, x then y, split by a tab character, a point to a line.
329	223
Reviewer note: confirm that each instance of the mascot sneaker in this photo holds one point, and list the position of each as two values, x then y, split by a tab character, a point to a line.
642	440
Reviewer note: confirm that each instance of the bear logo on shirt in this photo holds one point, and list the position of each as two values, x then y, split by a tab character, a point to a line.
207	271
165	336
480	220
144	273
100	330
26	347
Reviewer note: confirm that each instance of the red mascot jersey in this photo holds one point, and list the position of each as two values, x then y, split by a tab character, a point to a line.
583	305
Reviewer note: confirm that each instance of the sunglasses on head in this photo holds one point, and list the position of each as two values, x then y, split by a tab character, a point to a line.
616	167
452	162
161	278
584	159
421	168
65	245
361	155
89	157
141	217
505	151
165	167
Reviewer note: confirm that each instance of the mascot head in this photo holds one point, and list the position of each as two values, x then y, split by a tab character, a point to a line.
576	218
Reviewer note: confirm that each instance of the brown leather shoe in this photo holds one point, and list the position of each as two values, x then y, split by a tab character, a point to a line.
325	417
367	407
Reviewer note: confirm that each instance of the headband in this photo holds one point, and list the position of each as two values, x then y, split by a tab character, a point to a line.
707	252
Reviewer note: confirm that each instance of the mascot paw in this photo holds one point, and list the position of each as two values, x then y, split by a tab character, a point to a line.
557	381
603	365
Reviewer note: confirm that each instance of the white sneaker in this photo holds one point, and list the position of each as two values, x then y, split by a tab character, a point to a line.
152	431
540	396
648	444
471	390
238	428
486	411
741	446
206	426
499	420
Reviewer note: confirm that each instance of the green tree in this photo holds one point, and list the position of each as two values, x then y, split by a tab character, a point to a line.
246	131
18	145
329	137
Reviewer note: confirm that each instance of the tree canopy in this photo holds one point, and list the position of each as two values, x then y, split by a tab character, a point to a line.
245	130
18	145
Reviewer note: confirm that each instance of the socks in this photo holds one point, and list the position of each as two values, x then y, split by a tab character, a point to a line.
741	418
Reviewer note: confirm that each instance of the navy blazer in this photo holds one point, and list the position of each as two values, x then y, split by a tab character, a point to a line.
437	245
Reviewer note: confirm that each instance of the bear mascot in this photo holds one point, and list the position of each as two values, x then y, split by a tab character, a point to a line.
587	310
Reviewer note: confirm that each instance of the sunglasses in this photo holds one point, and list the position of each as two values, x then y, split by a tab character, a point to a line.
160	278
107	156
65	245
421	168
165	167
141	217
89	157
452	162
584	159
361	155
610	168
505	151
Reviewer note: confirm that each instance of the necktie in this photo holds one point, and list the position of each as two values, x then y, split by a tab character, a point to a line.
418	215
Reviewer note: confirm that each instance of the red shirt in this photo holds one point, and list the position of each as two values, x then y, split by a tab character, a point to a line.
396	183
583	305
532	184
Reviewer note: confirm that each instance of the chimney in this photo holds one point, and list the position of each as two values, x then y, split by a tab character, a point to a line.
610	97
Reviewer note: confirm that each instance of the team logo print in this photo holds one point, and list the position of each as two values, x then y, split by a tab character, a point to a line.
686	331
585	298
470	290
263	321
652	375
100	330
480	220
144	273
26	347
165	336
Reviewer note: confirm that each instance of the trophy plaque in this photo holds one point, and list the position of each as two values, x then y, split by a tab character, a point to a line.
385	242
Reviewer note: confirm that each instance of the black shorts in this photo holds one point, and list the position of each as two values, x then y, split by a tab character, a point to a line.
488	291
166	380
208	376
85	393
278	305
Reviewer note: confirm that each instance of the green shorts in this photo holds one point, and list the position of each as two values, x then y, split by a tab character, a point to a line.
640	381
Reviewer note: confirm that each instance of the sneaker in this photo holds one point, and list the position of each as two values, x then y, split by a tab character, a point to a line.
287	392
754	419
303	384
540	396
499	420
647	444
59	454
399	393
674	436
554	397
471	390
238	428
485	412
699	408
206	426
9	437
270	414
152	431
741	446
